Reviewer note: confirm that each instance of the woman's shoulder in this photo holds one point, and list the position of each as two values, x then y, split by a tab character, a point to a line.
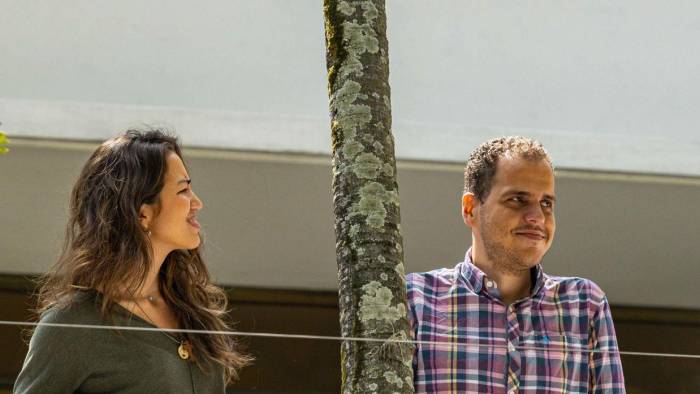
56	356
67	324
78	308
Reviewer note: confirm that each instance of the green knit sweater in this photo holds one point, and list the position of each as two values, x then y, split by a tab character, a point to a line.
82	360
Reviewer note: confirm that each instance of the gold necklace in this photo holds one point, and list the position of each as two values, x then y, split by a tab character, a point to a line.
183	350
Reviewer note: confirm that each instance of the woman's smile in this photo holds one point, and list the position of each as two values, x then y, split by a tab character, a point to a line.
192	221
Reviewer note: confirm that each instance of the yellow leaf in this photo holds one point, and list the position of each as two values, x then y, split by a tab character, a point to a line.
3	140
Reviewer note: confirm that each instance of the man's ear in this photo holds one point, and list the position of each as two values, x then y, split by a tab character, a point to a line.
469	206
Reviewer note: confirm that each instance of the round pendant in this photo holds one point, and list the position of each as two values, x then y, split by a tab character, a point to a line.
184	350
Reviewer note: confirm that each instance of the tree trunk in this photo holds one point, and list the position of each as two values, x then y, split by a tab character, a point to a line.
372	292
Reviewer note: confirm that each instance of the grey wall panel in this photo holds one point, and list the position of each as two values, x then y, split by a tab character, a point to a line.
268	221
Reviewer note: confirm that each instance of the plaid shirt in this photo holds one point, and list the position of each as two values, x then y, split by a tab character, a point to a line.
538	344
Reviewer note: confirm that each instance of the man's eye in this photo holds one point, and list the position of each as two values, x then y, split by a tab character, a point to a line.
547	204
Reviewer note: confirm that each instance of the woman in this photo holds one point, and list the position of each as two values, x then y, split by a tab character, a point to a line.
131	258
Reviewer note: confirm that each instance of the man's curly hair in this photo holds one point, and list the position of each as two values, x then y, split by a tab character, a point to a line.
482	162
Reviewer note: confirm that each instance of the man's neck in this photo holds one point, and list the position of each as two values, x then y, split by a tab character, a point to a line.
512	285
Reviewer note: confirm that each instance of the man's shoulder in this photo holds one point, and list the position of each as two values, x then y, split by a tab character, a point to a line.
434	278
574	287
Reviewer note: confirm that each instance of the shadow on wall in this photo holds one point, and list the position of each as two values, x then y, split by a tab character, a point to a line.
312	366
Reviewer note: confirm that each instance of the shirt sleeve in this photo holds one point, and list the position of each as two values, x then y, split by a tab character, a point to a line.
52	364
410	295
605	367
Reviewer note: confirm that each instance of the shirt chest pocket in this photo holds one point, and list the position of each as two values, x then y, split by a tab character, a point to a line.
562	358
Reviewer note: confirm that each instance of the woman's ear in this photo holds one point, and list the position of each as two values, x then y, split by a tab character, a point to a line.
146	213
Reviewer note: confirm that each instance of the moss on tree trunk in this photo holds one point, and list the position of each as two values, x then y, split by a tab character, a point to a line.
369	250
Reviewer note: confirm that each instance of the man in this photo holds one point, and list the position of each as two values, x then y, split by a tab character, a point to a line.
496	323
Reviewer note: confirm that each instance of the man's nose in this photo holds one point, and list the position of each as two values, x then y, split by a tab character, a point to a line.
534	214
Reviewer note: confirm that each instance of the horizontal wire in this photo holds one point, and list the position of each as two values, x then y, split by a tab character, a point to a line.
572	349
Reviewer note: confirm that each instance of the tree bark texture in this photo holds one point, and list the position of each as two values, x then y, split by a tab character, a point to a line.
372	284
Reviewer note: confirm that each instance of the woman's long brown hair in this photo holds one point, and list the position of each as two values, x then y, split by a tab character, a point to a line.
106	250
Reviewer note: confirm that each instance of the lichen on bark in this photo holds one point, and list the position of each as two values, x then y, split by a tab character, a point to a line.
372	294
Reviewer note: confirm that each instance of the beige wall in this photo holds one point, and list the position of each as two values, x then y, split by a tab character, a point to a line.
268	221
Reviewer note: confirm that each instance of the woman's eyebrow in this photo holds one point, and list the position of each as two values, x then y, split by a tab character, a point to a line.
185	180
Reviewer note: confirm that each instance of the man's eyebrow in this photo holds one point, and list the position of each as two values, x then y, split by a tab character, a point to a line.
516	192
527	194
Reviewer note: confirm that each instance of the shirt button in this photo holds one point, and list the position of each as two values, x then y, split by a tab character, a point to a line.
489	283
511	308
511	348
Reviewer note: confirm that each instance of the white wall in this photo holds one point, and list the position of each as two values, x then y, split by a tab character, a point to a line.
605	85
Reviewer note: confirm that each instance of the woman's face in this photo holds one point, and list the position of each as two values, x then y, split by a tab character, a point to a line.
173	219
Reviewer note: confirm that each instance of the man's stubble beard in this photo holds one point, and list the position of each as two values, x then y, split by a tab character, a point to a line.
505	260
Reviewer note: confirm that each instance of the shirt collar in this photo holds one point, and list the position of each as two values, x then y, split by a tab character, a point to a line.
474	276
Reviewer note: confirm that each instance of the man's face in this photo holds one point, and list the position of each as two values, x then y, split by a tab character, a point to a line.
515	222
